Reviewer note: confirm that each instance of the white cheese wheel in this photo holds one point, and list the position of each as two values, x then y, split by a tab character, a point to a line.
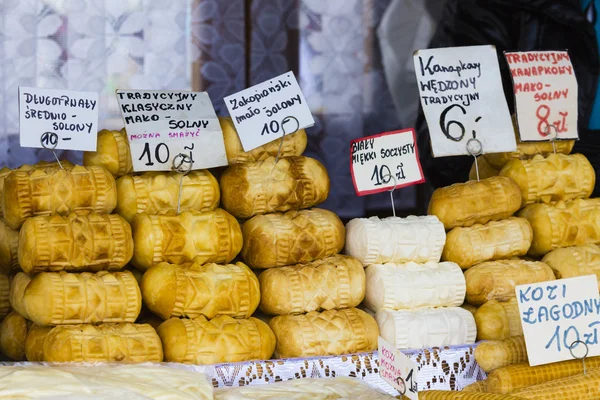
428	327
412	285
395	240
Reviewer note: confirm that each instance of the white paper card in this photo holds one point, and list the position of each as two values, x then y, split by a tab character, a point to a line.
397	369
555	314
545	90
381	162
71	115
462	98
259	112
162	124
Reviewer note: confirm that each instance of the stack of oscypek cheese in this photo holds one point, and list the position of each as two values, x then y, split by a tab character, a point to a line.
310	289
414	295
80	305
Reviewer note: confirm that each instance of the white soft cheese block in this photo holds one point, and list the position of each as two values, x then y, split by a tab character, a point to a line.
395	240
428	327
411	285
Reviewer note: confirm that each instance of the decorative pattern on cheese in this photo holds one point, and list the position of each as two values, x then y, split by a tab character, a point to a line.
395	240
574	261
412	285
428	327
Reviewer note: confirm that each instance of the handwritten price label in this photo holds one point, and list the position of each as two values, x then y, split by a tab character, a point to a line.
398	370
260	112
380	162
462	98
556	314
161	125
545	91
71	116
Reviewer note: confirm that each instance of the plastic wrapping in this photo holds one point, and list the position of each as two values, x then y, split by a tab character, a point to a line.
101	381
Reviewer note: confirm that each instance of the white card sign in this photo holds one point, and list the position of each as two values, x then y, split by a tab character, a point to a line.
462	98
260	113
545	91
397	369
162	124
72	116
380	162
556	314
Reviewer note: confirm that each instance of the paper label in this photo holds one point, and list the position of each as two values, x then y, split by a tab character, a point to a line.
462	98
72	116
381	162
557	314
545	90
398	370
162	124
260	113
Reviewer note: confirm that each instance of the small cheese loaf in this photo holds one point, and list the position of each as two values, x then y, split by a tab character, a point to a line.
583	386
9	246
427	327
412	285
571	262
75	243
484	168
552	178
103	343
55	298
222	339
395	240
13	333
156	192
574	223
192	289
17	291
4	295
466	204
330	333
34	343
331	283
112	152
496	280
82	190
498	320
495	240
276	240
494	354
452	395
264	187
213	236
293	145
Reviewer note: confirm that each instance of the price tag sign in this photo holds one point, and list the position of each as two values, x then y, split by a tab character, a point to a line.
545	90
67	118
260	112
462	98
556	315
398	370
161	125
381	162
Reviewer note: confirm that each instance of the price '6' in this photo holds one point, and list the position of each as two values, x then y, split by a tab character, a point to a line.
450	122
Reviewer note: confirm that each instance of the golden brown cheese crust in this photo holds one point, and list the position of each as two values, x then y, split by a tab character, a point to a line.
264	187
112	152
466	204
296	237
9	249
13	333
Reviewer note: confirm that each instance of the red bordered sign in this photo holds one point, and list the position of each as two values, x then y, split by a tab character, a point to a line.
382	162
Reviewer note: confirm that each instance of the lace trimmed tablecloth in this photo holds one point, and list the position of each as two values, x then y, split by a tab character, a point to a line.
446	368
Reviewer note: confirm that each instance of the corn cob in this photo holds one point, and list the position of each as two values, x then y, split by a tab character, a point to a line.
516	376
477	387
576	387
112	153
450	395
103	343
500	353
75	243
155	193
498	320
